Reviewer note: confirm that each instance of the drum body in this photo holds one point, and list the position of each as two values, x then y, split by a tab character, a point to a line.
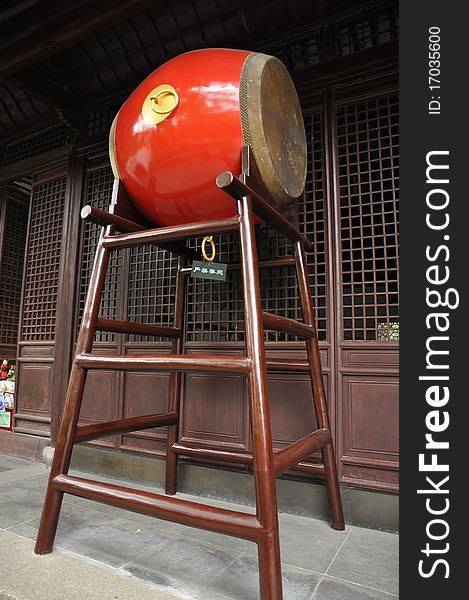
188	121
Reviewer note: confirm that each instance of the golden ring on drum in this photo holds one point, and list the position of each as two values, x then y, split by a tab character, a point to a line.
158	108
160	103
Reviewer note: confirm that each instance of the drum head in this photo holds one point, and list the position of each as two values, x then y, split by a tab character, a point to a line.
273	126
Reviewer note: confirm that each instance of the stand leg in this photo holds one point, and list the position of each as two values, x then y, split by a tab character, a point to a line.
322	416
270	575
174	396
71	411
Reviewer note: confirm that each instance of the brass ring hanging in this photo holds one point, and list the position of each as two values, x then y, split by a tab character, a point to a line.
160	103
208	239
166	91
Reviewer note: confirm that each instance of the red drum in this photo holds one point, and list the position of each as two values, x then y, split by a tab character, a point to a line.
188	121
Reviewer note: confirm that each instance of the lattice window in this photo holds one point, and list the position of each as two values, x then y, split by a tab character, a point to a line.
368	163
215	309
309	47
367	32
100	119
152	280
279	289
11	269
42	269
300	53
98	194
313	219
52	138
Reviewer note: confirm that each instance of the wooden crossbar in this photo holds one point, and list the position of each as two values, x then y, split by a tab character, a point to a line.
239	457
103	218
169	234
277	323
116	326
289	365
293	454
92	214
166	362
226	455
202	516
97	430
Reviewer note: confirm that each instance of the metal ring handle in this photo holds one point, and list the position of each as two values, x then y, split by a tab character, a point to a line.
208	239
164	111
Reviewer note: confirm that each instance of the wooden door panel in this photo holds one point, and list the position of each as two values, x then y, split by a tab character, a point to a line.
33	395
214	412
145	394
291	408
369	419
100	402
34	389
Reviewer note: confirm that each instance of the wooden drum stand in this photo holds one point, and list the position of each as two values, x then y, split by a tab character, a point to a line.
262	527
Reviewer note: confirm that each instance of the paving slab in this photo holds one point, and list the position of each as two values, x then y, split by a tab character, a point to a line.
37	484
110	543
368	558
188	562
309	543
19	505
12	462
335	589
64	575
6	521
240	581
21	473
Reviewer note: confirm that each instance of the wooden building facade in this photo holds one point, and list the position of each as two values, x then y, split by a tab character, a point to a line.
57	101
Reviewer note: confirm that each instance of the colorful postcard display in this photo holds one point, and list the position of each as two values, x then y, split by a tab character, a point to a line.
7	394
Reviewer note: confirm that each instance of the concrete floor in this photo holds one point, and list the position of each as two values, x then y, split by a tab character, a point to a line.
117	554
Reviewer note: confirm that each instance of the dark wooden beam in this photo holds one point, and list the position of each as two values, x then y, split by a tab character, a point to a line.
329	72
39	86
28	165
219	520
16	8
28	19
75	25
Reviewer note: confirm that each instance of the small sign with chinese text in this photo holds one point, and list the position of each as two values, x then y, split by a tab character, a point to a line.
206	270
